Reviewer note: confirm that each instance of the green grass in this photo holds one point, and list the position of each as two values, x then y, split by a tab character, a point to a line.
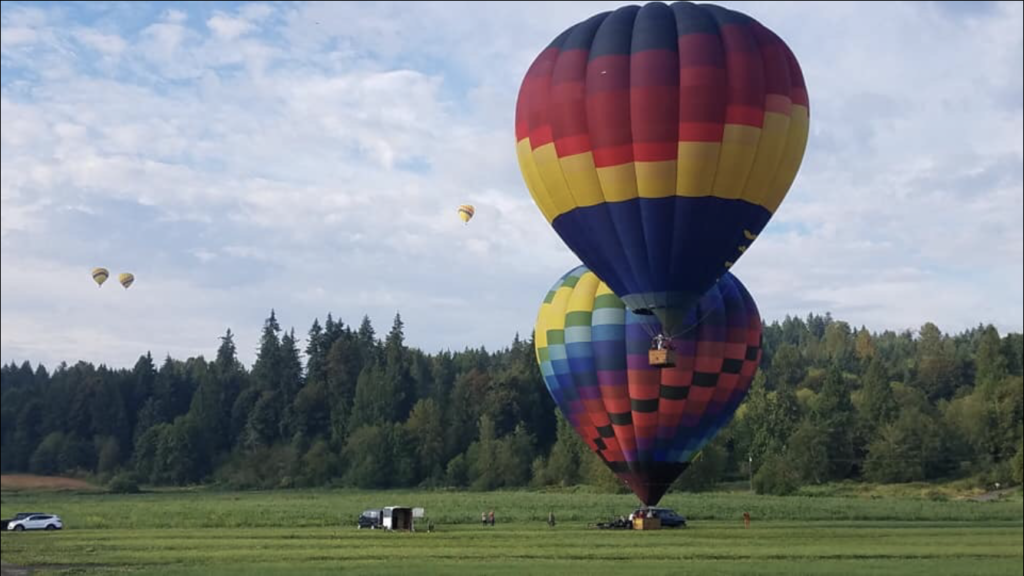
312	532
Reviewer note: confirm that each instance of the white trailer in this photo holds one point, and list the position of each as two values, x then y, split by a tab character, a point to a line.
401	518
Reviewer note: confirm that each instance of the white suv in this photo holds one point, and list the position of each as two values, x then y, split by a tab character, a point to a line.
37	522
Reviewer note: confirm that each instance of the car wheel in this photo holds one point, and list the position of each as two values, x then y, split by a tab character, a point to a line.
51	527
19	528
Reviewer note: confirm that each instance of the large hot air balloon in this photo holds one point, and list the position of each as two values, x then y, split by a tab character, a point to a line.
100	275
466	212
658	142
646	423
126	279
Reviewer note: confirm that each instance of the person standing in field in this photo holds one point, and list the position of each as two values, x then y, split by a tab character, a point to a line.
551	518
483	518
492	518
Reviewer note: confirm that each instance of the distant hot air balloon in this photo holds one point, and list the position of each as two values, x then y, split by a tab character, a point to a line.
126	279
466	212
658	141
100	275
646	423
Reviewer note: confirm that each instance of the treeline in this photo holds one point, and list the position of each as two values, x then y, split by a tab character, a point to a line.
829	403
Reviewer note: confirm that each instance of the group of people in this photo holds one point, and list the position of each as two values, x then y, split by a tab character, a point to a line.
487	518
644	513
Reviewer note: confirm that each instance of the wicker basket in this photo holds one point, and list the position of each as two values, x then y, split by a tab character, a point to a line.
647	524
661	358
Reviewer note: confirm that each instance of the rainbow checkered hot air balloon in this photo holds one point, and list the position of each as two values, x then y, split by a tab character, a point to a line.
646	423
658	142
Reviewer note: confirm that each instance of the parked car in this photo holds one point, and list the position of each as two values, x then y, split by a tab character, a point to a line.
669	517
18	516
36	522
371	519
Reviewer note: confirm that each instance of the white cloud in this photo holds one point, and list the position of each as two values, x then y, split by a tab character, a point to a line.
17	36
256	11
109	44
228	28
174	16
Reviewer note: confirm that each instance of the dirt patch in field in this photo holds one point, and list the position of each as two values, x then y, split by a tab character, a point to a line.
19	482
9	570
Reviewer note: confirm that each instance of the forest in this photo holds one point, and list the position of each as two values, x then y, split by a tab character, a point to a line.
345	407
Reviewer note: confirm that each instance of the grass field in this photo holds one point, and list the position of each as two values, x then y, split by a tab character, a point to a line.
312	532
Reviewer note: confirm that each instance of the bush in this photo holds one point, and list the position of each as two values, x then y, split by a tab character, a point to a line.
44	460
775	478
457	472
124	483
260	469
704	470
319	465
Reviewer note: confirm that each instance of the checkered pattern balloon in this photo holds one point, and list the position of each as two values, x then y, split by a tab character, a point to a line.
646	423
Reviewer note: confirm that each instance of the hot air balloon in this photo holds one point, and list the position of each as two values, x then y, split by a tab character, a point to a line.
100	275
646	423
126	279
658	142
466	212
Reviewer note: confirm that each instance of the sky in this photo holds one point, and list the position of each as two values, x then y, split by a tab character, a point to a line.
309	157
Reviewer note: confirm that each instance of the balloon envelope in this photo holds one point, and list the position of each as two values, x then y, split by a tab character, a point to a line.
466	212
645	423
126	279
100	275
658	142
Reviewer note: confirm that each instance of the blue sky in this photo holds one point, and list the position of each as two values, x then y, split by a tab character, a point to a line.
308	157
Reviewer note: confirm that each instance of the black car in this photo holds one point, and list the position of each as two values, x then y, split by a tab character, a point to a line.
371	519
18	516
669	517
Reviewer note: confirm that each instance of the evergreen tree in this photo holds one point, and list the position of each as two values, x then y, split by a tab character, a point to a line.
267	371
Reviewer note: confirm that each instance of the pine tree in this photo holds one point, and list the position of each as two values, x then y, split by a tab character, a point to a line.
396	371
267	370
290	383
316	354
367	339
